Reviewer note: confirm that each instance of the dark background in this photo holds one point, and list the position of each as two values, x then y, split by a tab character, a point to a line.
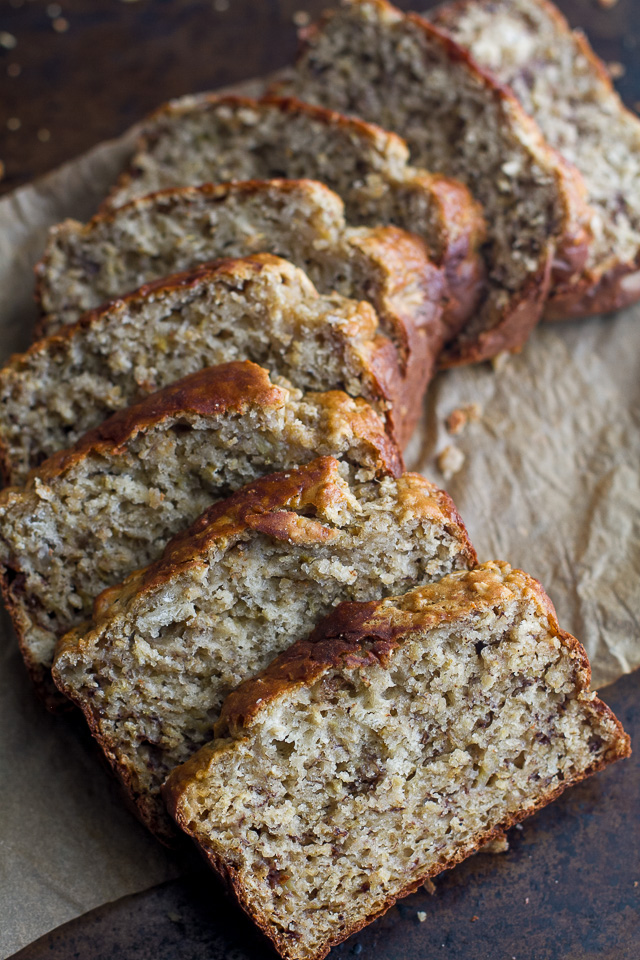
82	71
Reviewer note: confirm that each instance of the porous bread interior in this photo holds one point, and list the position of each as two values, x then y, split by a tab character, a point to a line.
156	672
576	109
196	141
65	386
167	233
345	792
385	69
114	510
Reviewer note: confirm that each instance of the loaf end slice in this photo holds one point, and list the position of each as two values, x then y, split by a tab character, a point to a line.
260	308
397	740
90	515
163	649
398	70
567	89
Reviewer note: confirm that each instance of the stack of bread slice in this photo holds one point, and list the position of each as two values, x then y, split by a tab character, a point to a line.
209	543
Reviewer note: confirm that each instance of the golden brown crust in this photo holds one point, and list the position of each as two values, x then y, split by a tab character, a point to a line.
228	388
409	295
463	231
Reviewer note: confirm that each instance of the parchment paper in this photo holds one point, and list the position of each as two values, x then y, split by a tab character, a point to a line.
550	482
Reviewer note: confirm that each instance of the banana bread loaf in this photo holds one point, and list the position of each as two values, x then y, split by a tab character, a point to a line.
396	741
219	138
560	81
301	220
400	71
254	573
261	308
91	514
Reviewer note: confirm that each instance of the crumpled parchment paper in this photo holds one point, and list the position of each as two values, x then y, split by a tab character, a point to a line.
550	481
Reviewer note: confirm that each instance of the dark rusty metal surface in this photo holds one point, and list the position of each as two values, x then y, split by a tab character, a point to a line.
567	889
82	71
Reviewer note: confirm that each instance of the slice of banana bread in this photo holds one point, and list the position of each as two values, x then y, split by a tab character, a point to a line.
396	741
301	220
261	308
91	514
567	89
254	573
219	138
403	73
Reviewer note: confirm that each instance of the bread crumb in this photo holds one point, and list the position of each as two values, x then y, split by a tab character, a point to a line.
616	69
526	900
7	40
459	418
60	25
421	915
429	886
474	918
499	362
301	18
450	461
499	845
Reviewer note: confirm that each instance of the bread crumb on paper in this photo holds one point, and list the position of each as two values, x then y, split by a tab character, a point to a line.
500	360
450	461
429	886
421	915
461	416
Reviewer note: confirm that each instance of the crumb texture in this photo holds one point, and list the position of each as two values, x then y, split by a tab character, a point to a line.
369	59
348	789
217	139
92	514
261	308
560	82
153	669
